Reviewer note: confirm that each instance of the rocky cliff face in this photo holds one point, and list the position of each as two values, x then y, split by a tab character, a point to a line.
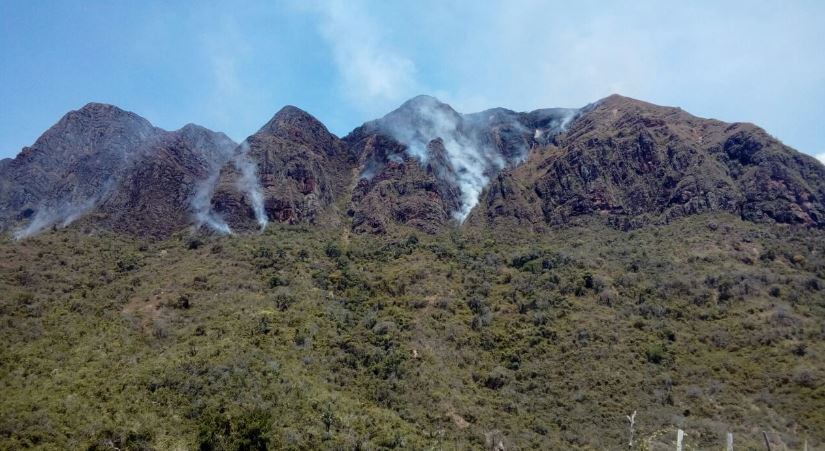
637	163
72	165
423	165
110	162
396	188
293	164
160	192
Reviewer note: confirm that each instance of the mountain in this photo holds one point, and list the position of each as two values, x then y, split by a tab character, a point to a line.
71	166
496	280
635	163
292	170
159	193
112	165
423	165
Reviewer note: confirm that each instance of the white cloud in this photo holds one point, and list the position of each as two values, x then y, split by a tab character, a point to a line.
223	47
532	54
374	75
820	157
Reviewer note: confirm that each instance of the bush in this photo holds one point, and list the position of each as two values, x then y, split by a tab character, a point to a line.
193	243
182	302
278	281
521	260
655	353
283	301
805	378
476	304
481	320
247	432
127	263
588	281
497	378
332	250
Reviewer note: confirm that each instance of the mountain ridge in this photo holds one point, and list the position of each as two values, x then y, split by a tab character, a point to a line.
80	163
422	165
304	290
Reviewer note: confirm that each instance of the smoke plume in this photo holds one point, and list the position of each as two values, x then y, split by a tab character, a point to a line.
201	201
202	205
249	183
477	145
61	216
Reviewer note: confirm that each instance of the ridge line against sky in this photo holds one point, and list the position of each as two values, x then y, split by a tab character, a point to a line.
231	67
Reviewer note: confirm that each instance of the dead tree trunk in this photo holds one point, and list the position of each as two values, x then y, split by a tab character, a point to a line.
767	442
632	420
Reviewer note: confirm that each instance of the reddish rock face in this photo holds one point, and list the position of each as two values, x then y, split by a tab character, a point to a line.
396	188
155	196
301	169
629	162
639	163
422	164
100	159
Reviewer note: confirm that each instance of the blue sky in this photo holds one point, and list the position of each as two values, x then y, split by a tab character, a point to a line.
231	67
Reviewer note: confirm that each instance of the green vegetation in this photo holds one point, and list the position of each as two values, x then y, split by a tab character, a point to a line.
304	338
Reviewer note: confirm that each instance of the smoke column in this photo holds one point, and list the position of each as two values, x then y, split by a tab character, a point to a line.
202	199
45	217
202	205
249	183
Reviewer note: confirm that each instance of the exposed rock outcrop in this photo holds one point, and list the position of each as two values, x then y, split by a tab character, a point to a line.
299	167
423	165
100	159
638	163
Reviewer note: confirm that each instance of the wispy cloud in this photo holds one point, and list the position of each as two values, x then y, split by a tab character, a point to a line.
223	47
373	74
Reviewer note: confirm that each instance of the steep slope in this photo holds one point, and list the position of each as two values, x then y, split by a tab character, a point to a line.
395	187
638	163
168	188
425	164
71	166
538	341
112	165
292	170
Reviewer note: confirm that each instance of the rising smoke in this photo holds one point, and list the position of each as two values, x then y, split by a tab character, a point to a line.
202	204
477	145
59	216
248	183
423	119
202	199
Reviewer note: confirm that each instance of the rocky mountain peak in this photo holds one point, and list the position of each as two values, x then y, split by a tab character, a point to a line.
419	119
422	165
637	163
296	125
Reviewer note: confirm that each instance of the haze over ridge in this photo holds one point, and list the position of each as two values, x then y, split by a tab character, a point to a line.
349	62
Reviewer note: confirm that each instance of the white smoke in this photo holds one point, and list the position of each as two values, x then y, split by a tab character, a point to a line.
470	161
202	205
45	217
201	201
472	141
567	118
249	183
